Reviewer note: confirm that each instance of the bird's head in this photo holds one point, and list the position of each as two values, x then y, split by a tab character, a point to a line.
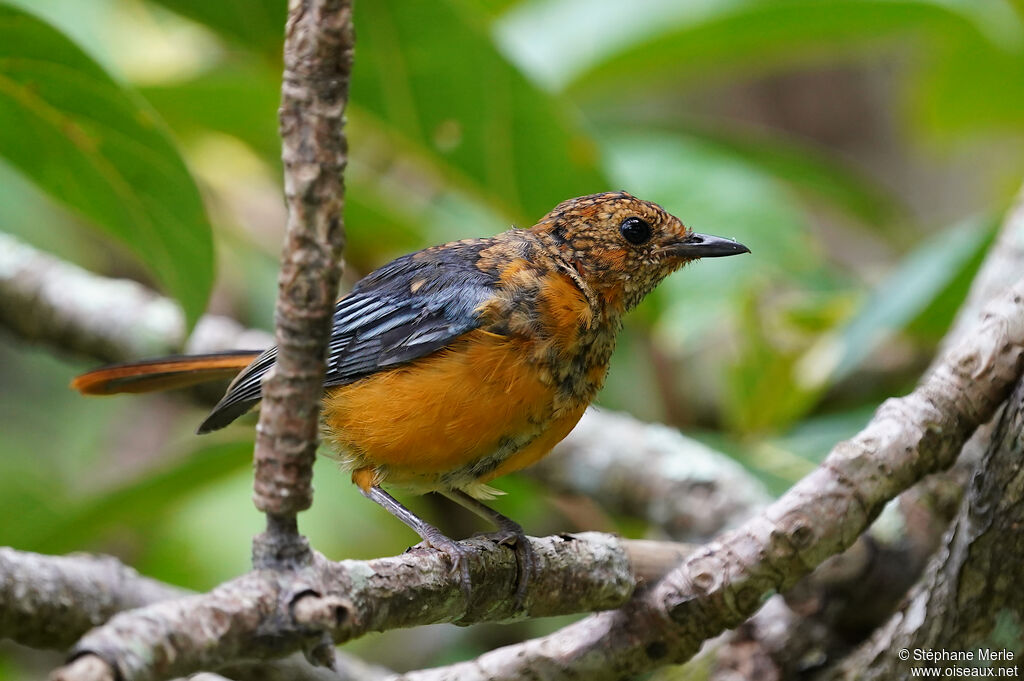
623	246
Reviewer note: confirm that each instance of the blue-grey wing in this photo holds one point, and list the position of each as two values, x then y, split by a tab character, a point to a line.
407	309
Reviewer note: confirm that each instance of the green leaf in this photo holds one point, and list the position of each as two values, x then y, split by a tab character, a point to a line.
973	87
755	35
92	144
238	99
255	23
700	184
918	283
141	502
815	172
433	82
506	143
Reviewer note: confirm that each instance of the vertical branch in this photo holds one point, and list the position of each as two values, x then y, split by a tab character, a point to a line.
318	60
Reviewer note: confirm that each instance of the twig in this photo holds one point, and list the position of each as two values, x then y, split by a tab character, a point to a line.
318	61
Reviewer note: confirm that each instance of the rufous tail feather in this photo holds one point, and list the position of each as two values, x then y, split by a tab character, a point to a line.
163	373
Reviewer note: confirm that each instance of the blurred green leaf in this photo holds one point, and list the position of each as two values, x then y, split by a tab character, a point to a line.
932	323
757	35
973	86
921	279
815	172
255	23
501	138
774	383
239	98
506	142
139	503
760	391
717	193
95	146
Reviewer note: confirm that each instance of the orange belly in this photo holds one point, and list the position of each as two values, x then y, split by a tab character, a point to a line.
464	415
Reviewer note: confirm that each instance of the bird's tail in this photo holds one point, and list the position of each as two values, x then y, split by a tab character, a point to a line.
163	373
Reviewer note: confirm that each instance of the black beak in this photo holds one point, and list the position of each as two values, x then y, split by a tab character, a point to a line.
706	246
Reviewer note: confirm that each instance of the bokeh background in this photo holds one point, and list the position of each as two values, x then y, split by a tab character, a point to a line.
864	149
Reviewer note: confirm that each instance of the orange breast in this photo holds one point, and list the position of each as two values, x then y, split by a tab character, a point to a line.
414	424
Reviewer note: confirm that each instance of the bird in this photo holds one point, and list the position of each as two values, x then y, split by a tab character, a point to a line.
457	364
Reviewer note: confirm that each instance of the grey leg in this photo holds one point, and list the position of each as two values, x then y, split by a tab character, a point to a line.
457	554
509	532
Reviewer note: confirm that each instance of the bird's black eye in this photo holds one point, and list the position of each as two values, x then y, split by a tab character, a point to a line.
635	230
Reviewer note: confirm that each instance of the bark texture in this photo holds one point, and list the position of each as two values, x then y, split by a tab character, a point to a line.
833	610
973	583
268	613
318	61
51	601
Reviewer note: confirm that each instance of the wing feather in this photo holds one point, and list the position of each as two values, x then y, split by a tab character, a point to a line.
407	309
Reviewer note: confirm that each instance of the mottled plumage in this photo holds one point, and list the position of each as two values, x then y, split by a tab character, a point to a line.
456	364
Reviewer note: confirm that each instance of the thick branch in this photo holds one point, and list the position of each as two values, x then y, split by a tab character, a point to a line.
50	601
725	582
975	580
318	62
837	614
267	613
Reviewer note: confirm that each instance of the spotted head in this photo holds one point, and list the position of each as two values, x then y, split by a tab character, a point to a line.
622	246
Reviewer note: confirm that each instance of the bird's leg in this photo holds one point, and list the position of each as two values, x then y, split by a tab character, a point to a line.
458	554
509	532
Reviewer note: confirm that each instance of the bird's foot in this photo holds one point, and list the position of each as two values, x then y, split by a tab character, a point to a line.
511	534
459	557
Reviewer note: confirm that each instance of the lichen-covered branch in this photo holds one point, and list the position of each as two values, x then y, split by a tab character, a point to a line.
726	581
267	613
974	581
51	601
318	62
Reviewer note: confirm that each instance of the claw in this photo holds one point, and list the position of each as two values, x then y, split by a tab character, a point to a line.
458	556
526	557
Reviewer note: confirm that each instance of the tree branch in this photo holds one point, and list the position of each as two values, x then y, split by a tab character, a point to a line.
653	472
318	62
50	601
46	300
974	581
845	611
267	613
